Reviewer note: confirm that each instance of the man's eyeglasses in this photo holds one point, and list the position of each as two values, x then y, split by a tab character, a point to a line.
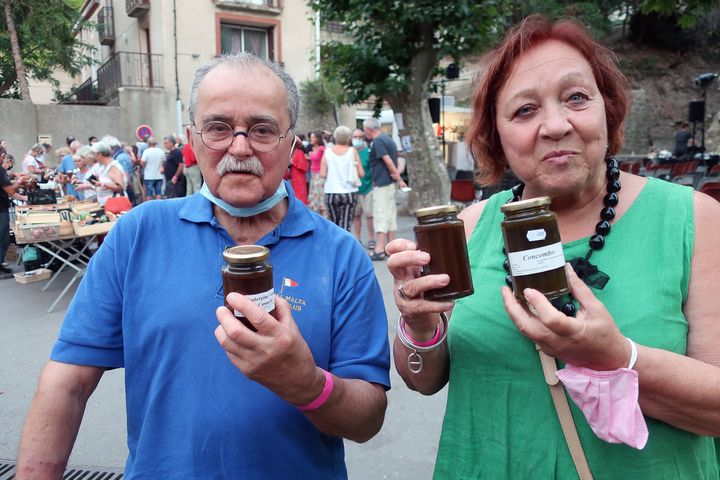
263	137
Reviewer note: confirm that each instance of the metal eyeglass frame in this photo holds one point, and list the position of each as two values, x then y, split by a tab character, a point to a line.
245	134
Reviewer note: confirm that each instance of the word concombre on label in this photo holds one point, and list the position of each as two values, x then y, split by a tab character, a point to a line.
536	260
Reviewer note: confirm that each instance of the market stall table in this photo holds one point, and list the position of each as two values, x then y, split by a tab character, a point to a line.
71	250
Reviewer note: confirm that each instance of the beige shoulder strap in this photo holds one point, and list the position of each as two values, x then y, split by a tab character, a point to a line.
566	420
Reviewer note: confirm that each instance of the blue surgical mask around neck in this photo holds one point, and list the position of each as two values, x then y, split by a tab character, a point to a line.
261	207
357	143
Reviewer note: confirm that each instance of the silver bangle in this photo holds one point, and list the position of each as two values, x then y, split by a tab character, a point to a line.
415	360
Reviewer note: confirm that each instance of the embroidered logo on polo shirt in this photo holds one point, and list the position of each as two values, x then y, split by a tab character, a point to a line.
296	303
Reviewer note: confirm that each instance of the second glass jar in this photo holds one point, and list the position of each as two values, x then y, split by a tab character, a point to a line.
441	233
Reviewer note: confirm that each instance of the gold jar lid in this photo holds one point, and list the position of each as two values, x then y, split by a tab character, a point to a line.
525	204
245	254
436	210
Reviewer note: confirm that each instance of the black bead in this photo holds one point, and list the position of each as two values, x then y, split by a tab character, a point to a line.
506	265
557	303
602	227
569	309
607	213
613	173
597	242
612	163
614	186
517	191
611	199
508	280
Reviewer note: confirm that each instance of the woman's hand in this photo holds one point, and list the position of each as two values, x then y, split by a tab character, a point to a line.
405	264
590	339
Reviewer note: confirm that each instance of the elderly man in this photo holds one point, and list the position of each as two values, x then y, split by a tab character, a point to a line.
271	403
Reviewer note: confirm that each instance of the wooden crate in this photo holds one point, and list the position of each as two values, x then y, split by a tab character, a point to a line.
33	276
94	229
34	233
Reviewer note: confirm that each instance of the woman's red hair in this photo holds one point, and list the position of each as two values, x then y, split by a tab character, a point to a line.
483	138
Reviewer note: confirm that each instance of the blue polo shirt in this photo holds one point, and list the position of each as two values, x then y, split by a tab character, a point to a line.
67	165
191	414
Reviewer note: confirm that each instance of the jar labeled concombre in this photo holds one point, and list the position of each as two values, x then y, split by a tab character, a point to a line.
533	247
249	273
441	234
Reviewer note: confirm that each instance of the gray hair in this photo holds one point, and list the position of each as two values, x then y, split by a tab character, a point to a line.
102	148
171	139
342	135
372	123
37	146
242	61
111	141
151	141
85	151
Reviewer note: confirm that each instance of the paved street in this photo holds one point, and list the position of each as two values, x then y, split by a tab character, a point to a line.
404	449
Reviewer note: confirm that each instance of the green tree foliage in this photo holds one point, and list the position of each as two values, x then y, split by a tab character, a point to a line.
392	52
47	39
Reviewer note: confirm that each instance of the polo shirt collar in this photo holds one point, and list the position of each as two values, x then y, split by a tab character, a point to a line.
298	220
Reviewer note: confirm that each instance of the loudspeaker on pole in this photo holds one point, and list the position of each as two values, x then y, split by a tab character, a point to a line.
434	105
696	111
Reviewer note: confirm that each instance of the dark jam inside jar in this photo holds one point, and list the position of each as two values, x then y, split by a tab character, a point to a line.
441	234
534	249
249	273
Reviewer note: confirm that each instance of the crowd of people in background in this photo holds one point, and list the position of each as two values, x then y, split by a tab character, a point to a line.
336	174
333	173
104	168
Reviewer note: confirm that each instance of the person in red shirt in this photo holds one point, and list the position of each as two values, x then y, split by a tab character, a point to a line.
192	173
298	170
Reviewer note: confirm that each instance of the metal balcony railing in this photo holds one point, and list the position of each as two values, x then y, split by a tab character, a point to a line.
106	26
129	69
137	8
86	93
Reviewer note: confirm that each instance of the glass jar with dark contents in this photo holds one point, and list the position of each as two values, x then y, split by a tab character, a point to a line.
441	234
248	272
533	248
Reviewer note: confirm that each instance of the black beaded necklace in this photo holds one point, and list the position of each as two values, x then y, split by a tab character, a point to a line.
587	272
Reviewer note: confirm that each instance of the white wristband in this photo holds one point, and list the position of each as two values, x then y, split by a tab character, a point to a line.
633	353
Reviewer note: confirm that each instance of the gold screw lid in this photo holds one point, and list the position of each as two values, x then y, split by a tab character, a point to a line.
525	204
245	254
438	209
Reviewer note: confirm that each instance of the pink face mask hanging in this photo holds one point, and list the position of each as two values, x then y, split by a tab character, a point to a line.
609	401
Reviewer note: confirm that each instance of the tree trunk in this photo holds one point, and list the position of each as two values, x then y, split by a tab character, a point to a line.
426	171
17	58
427	174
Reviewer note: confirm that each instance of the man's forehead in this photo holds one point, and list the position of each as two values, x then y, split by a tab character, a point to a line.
257	85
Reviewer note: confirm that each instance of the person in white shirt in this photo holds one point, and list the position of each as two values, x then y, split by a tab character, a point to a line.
341	168
152	161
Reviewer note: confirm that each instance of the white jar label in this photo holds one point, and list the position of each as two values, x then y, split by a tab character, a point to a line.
536	260
264	300
536	235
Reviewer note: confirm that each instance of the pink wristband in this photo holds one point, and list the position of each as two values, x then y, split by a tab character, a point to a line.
324	395
427	343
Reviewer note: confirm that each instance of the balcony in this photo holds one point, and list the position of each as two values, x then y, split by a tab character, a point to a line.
106	26
85	94
271	7
129	69
137	8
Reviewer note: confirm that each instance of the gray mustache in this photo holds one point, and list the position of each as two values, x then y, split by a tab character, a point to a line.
230	164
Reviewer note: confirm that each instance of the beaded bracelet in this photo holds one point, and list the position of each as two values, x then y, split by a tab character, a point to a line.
323	397
415	361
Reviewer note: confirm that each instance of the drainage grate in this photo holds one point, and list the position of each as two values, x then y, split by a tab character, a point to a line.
7	472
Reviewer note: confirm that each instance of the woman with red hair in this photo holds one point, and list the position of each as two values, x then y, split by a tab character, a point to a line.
638	335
